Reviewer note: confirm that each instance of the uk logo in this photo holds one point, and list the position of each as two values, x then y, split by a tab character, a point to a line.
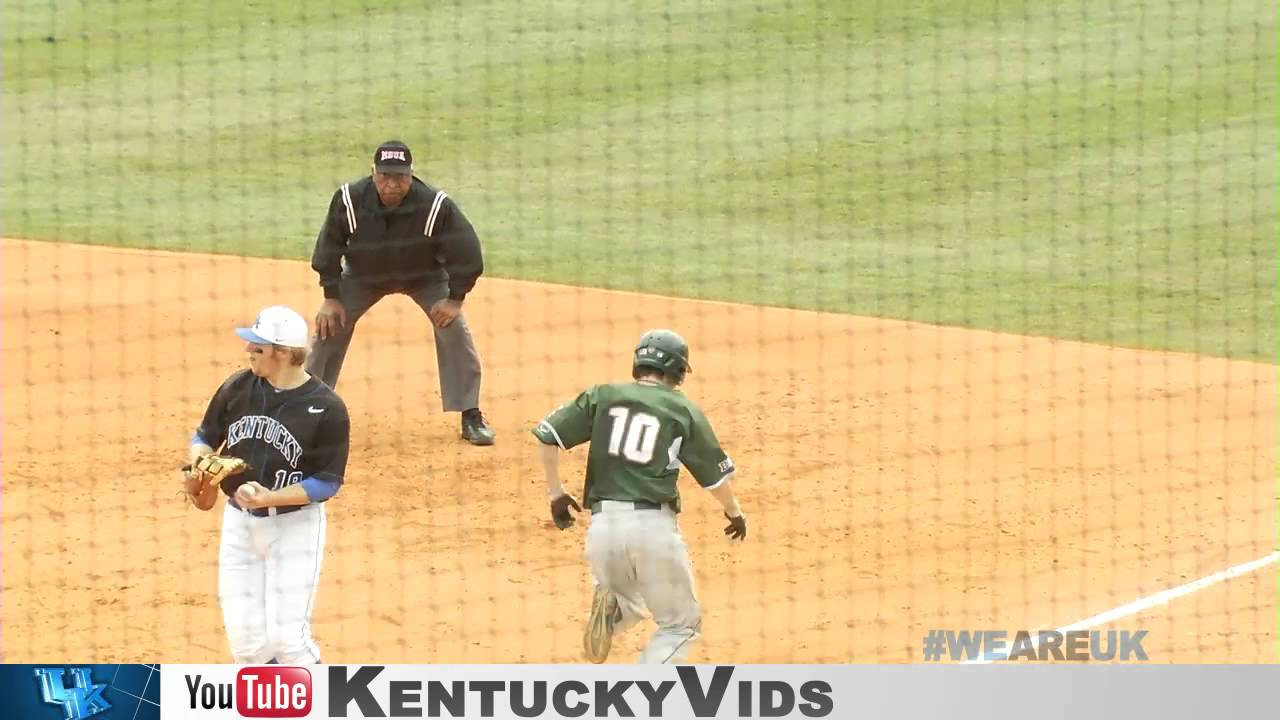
82	700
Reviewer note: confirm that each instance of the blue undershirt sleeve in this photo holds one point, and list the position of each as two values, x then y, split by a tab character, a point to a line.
319	490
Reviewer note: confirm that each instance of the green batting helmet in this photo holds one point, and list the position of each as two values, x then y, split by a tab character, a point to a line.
663	350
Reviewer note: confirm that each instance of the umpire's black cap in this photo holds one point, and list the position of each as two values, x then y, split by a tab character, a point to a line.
393	157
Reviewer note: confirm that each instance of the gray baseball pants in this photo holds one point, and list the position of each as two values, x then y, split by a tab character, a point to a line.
457	360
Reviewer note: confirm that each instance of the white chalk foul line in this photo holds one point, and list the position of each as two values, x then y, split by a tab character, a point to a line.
1151	601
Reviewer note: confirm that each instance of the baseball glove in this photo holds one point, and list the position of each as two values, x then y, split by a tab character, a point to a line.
212	469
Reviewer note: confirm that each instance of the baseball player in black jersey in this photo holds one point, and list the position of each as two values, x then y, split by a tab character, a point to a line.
294	433
391	233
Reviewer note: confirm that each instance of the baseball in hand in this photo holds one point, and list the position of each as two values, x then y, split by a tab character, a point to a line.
246	491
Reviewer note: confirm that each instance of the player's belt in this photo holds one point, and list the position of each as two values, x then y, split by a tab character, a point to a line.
603	505
266	512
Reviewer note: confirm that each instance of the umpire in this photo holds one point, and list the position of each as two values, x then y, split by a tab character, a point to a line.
387	233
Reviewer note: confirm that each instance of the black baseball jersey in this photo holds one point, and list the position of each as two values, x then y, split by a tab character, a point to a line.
395	249
285	435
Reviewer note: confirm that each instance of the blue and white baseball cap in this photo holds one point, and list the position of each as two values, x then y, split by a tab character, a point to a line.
277	325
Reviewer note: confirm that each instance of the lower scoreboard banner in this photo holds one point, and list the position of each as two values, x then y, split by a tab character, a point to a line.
146	692
726	691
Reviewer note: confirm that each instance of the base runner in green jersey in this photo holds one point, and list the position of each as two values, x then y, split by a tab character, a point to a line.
640	433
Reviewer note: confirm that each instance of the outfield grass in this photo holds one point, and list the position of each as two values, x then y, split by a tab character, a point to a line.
1101	170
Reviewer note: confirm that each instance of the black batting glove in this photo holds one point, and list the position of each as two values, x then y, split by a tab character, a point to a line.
560	511
737	527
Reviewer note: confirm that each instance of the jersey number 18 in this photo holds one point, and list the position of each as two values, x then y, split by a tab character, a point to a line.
633	435
285	479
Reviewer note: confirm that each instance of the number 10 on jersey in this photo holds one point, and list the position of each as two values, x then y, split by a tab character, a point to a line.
633	435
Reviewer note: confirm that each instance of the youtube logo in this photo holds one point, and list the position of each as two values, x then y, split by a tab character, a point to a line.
272	691
264	691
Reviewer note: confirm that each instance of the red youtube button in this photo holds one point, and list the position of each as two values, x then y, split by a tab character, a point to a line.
272	691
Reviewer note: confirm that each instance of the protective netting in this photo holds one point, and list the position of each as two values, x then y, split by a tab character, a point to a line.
980	298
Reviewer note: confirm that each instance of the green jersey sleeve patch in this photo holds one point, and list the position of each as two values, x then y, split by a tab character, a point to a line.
570	424
703	456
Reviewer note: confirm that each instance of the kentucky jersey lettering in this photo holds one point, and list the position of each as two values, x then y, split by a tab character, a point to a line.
268	430
277	432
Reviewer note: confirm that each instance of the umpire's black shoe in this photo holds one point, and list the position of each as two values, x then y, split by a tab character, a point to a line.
475	429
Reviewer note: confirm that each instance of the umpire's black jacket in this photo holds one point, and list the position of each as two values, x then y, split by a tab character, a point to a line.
395	249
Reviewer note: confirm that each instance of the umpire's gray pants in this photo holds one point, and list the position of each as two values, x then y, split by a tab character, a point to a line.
456	356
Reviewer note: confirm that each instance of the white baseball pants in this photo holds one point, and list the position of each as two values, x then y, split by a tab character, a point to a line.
268	571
